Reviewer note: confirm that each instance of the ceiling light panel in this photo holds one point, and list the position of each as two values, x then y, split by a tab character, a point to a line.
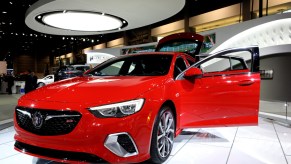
125	15
82	21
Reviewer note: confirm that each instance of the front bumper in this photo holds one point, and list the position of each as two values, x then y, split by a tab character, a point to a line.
57	154
93	139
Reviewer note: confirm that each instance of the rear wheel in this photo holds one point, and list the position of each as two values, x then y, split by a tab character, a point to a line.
163	135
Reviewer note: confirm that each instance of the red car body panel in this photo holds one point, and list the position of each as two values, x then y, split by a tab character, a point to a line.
214	99
216	104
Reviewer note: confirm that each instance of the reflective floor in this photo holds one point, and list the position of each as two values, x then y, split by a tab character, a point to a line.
268	143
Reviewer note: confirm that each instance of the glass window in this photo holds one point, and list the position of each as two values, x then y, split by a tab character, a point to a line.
236	64
216	65
179	66
112	69
227	62
82	68
180	46
134	65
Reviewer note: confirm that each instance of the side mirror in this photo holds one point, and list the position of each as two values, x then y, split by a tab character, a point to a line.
192	72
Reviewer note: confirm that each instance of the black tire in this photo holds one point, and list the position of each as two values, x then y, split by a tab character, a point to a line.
162	136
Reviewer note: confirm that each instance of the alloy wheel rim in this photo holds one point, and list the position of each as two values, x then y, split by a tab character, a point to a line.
165	134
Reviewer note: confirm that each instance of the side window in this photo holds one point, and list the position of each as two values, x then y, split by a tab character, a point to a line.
82	68
179	66
79	68
236	64
70	68
216	65
136	68
227	62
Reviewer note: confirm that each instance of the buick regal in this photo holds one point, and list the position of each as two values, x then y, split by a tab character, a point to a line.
129	108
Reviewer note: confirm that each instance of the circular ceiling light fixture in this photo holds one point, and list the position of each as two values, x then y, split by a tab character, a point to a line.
152	11
85	21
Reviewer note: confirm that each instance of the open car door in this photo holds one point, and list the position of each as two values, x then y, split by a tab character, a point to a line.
220	90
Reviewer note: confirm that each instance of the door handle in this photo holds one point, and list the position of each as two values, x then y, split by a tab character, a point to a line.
245	82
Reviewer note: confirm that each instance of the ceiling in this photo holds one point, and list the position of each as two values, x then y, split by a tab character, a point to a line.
17	38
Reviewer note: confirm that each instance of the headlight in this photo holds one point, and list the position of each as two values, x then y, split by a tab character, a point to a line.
118	110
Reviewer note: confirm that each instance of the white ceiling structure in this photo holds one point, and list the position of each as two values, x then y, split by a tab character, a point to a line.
137	13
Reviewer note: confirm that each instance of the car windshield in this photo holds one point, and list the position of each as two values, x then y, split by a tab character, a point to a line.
134	65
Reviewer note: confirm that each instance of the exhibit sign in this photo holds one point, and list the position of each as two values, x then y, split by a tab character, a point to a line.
97	57
267	74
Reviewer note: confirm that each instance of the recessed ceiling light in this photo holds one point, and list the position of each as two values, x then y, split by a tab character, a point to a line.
4	12
81	21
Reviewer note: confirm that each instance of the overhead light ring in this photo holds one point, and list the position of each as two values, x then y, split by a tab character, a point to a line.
81	21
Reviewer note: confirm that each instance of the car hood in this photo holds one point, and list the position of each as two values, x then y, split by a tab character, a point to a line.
96	90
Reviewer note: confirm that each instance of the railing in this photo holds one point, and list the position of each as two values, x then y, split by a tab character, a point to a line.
276	110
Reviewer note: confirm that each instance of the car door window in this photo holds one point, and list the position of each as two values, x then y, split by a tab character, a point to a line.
179	66
237	64
215	65
229	62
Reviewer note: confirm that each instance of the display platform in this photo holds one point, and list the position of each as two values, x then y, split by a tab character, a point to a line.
269	142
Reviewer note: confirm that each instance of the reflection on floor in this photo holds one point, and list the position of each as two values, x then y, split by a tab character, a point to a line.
269	142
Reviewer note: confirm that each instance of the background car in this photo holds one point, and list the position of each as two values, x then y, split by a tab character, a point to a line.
69	71
46	80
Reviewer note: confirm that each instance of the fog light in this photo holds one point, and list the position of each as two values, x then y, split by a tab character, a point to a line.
121	144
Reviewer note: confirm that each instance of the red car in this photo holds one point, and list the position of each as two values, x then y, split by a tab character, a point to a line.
130	108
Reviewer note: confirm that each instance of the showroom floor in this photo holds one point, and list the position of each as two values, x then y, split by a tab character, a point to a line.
268	143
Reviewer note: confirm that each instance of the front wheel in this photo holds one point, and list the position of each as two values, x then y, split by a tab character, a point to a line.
163	135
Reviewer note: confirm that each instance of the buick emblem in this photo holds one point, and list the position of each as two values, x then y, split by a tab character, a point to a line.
37	120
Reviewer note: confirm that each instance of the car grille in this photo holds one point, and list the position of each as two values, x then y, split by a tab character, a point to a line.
47	122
